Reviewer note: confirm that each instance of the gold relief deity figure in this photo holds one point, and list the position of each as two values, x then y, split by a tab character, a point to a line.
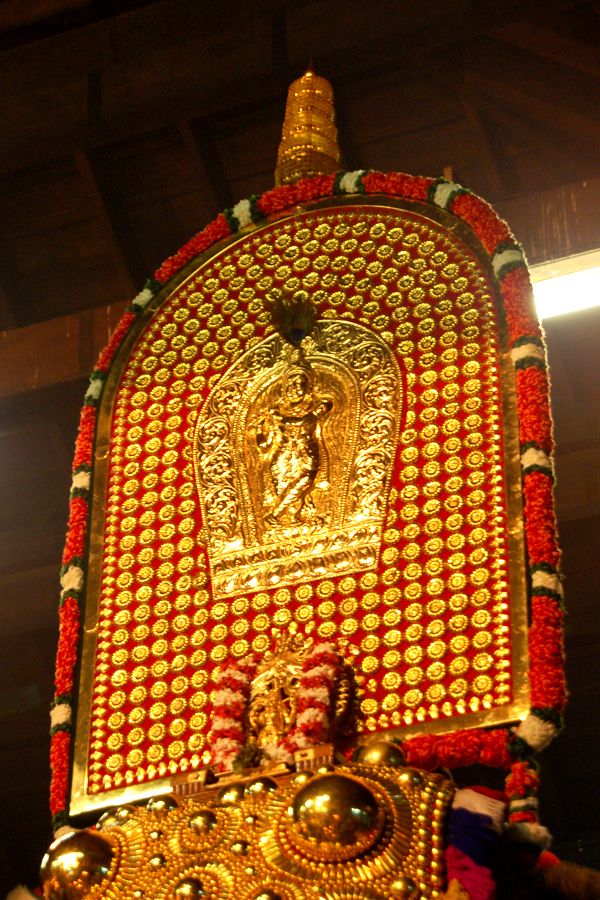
293	450
272	708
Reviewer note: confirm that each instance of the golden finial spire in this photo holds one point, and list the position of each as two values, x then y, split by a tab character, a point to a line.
309	137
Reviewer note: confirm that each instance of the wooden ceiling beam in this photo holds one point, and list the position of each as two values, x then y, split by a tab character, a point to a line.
440	75
26	363
200	147
7	319
546	111
551	45
106	215
490	152
525	73
520	131
383	53
10	294
23	13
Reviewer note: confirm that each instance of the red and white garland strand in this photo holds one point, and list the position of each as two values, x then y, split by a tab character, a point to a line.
314	698
320	672
230	702
546	632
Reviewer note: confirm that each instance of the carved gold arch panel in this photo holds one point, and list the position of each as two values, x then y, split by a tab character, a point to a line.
296	488
364	487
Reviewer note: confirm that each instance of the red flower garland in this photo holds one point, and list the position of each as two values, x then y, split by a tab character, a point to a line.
215	231
397	184
314	188
59	762
75	542
535	421
490	230
277	199
122	327
522	780
538	495
458	749
517	294
85	438
66	653
227	733
313	719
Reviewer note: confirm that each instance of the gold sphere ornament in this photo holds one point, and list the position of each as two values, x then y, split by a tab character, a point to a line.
189	889
335	818
123	813
231	793
261	785
108	820
203	821
268	895
74	864
240	848
302	777
382	753
160	806
404	888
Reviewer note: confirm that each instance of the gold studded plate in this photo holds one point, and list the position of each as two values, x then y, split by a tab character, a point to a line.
357	832
402	539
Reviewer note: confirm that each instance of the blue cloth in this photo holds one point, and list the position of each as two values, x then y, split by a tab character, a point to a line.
473	833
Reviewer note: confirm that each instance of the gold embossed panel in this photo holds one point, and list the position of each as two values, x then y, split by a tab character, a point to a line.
365	489
294	457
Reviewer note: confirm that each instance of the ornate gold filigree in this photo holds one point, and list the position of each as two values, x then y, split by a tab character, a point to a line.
294	455
354	832
274	691
273	700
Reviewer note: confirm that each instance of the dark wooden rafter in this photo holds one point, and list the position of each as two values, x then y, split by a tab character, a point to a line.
553	46
552	89
490	154
516	130
130	271
12	302
27	22
436	72
546	111
348	65
199	146
7	317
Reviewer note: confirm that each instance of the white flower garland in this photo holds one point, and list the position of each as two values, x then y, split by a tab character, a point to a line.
536	732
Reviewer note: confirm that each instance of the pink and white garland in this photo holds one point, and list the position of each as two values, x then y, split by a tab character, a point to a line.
227	736
230	701
320	672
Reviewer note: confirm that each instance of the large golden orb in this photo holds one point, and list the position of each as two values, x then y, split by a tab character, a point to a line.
189	889
74	864
335	817
203	821
382	753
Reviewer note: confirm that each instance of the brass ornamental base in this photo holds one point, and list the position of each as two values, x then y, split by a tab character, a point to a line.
338	833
